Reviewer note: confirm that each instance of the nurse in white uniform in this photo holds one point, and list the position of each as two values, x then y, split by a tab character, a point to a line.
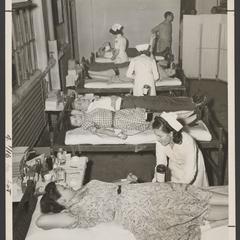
185	159
143	70
120	44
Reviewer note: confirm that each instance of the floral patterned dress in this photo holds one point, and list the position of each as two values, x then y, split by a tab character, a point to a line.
151	211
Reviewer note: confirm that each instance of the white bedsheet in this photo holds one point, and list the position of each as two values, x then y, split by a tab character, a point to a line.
107	231
77	136
103	83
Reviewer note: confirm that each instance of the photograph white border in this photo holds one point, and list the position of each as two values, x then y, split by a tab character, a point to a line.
231	118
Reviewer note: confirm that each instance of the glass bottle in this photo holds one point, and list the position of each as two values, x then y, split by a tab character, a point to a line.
160	173
61	156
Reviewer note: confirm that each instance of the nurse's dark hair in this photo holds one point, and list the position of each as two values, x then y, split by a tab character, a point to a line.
160	123
168	13
120	31
48	202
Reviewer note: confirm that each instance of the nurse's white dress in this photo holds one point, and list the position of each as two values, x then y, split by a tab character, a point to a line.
120	43
143	70
183	161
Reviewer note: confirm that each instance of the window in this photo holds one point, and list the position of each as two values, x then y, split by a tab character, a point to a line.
24	58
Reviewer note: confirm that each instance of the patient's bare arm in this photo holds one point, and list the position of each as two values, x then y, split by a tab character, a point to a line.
111	133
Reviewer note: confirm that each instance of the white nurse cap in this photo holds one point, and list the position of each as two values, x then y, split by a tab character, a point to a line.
142	47
116	27
171	119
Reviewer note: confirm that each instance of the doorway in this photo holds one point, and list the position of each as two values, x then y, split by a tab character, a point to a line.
187	6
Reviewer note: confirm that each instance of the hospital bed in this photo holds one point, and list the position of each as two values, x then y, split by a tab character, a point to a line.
28	210
206	131
175	85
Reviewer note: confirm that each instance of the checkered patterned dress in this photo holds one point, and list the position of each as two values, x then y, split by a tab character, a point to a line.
124	119
131	119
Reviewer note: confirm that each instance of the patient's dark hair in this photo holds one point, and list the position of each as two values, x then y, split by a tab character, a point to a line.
48	202
165	127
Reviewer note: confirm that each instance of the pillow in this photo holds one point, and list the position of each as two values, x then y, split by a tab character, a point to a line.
112	103
199	131
101	103
186	117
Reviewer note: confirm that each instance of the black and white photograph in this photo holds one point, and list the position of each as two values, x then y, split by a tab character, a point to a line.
121	120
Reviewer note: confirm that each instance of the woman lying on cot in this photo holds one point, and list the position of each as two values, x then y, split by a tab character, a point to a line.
128	121
101	121
151	211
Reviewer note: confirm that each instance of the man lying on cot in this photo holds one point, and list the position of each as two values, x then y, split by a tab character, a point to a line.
151	211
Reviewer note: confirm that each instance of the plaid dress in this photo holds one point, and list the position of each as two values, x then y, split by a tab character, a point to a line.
124	119
131	119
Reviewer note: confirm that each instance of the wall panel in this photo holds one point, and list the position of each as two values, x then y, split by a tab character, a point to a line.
205	51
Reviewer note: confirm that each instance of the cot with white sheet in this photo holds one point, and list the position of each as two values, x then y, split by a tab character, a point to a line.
142	146
28	210
102	85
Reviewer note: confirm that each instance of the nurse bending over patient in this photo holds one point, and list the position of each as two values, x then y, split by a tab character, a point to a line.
151	211
143	70
117	54
179	150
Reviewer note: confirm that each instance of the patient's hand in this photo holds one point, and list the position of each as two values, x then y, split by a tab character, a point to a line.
122	135
110	132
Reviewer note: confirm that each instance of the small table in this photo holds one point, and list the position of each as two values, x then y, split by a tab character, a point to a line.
53	111
74	175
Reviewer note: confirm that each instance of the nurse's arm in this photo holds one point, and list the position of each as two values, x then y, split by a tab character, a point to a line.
115	53
161	157
130	71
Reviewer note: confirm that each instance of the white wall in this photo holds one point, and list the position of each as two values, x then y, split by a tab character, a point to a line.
95	18
205	6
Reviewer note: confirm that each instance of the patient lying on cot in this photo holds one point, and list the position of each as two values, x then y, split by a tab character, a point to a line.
102	121
150	211
120	75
